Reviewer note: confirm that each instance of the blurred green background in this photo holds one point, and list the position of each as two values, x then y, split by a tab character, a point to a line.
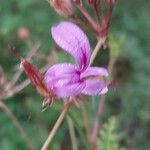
129	103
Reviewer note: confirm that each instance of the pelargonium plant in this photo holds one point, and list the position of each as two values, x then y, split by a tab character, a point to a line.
69	80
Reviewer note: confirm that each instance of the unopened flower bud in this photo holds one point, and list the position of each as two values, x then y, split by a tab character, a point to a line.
31	71
62	7
109	1
23	33
36	78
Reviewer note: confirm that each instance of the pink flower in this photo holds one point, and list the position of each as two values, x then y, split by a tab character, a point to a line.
67	79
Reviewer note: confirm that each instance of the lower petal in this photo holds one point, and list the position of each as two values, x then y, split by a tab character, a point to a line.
68	90
64	80
95	87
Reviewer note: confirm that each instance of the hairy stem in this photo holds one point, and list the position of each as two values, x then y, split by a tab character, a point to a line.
72	134
56	126
85	117
99	44
97	120
10	114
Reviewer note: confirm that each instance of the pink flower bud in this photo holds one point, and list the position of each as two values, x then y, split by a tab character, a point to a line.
62	7
23	33
36	78
32	72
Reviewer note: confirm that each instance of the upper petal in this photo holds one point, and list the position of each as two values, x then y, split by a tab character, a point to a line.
73	40
95	87
64	80
95	71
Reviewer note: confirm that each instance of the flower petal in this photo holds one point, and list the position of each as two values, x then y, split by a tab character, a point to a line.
95	87
73	40
68	90
94	71
64	80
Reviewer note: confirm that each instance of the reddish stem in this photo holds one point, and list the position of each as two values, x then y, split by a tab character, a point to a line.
56	126
92	22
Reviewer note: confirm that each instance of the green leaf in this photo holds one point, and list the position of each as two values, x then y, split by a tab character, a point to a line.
108	139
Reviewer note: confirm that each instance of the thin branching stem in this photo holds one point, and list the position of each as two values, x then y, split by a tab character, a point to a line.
92	22
99	44
17	88
72	134
56	126
97	123
97	120
85	117
10	114
18	73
